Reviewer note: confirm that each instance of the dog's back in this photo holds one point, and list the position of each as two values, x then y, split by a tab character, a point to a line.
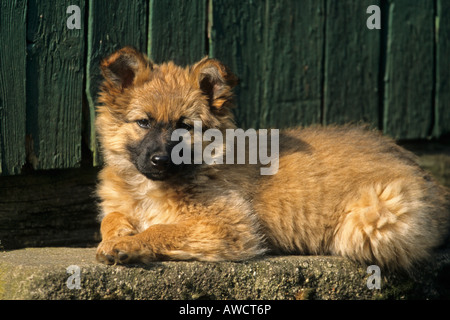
353	192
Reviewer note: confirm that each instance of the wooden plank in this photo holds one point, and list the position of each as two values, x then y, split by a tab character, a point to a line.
12	86
409	78
177	31
293	63
275	48
237	35
54	85
442	108
352	63
49	208
112	25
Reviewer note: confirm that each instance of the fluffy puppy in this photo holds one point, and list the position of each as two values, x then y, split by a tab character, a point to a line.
338	190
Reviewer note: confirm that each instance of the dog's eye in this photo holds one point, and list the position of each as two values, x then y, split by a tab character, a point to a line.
143	123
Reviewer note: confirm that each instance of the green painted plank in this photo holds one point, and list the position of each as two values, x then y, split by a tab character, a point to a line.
54	85
177	31
442	108
293	63
12	86
352	63
409	78
237	35
275	48
112	25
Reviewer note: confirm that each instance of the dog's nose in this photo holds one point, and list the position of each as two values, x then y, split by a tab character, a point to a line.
160	161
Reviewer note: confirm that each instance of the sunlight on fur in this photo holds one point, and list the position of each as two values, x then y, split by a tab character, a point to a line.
338	190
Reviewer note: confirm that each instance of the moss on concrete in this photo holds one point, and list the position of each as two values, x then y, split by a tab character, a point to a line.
41	273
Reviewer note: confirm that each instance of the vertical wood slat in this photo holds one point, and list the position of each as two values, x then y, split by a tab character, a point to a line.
177	31
237	34
54	85
408	99
293	90
275	48
112	25
442	100
12	85
352	58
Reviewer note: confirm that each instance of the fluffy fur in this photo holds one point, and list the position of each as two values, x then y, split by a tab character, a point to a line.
339	190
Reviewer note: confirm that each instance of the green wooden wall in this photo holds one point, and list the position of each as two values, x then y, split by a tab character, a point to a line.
300	62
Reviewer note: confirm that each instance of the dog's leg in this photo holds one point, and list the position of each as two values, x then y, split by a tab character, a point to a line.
114	225
196	239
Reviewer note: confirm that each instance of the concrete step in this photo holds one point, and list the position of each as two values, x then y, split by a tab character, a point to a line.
73	273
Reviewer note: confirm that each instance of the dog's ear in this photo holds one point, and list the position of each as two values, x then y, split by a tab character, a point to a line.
125	68
215	80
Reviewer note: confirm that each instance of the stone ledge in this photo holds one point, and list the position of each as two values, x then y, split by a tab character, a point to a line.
41	273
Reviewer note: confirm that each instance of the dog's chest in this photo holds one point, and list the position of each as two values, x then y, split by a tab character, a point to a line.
157	206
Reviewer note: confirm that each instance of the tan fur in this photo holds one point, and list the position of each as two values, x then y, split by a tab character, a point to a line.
339	190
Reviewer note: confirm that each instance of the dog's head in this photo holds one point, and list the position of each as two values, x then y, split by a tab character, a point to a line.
142	103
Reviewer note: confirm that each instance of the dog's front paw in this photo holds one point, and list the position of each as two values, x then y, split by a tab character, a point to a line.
124	250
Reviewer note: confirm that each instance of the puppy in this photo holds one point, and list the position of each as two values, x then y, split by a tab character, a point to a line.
334	190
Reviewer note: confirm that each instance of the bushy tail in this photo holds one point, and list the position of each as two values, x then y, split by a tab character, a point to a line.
393	225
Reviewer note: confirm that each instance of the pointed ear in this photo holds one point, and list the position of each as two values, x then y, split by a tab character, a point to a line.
125	68
215	80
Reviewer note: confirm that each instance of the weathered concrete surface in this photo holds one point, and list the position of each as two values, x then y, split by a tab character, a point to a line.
41	273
